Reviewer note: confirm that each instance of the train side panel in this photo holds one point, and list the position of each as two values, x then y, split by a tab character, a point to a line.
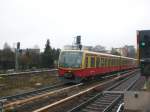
94	64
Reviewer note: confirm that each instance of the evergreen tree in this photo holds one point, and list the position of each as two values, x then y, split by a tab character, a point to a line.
47	56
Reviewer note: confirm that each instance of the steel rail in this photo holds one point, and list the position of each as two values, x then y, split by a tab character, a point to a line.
75	109
115	102
65	101
29	72
38	97
22	95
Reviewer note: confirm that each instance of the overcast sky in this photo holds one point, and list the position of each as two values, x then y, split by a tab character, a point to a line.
111	23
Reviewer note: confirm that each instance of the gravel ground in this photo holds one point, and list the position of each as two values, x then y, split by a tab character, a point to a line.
11	85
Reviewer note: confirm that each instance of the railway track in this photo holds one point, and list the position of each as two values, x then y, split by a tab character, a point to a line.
15	101
108	100
31	93
39	98
78	102
28	72
26	101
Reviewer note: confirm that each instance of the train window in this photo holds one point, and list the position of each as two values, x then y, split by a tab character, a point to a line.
105	62
102	62
108	62
97	61
116	62
124	62
92	61
86	62
112	62
127	62
119	61
89	61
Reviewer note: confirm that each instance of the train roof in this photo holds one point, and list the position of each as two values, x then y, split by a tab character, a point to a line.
98	53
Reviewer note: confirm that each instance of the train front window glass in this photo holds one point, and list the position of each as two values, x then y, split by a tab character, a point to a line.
70	59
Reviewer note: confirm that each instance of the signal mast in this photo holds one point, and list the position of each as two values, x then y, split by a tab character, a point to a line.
77	42
143	48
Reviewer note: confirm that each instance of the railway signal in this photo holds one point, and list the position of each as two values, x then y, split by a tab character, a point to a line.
18	45
78	42
143	42
143	38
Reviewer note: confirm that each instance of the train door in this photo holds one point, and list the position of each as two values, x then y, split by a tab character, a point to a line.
97	61
87	61
106	64
87	64
92	61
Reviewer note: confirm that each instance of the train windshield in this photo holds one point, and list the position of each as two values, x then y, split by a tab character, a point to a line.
70	59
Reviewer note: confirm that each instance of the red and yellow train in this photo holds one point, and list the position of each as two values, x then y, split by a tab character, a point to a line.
76	65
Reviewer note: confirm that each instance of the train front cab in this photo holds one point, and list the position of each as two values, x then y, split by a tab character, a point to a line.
70	66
